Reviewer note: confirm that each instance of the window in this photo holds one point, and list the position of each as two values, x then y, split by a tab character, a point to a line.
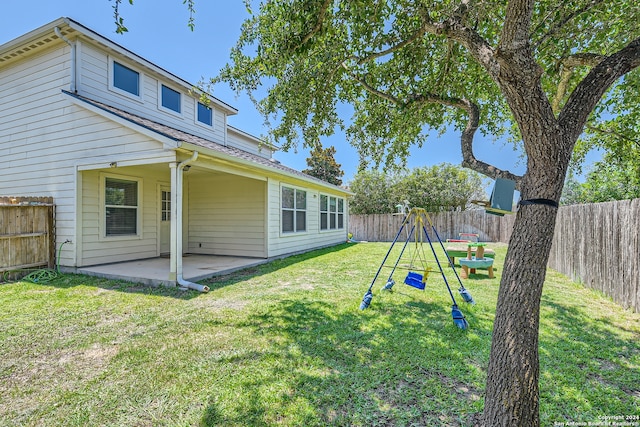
166	205
294	210
331	213
126	79
170	99
121	207
205	114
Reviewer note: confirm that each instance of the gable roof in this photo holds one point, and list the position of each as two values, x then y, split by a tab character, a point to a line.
191	142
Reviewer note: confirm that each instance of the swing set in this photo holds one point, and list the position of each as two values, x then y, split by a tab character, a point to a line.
415	225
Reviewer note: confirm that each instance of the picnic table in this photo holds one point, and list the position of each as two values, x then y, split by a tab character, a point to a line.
471	262
460	249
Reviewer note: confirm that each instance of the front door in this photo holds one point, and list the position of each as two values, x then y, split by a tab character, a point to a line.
165	220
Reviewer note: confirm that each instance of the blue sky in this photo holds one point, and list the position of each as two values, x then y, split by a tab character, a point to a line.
158	32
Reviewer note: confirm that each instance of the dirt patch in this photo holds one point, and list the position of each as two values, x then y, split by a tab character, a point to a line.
607	365
217	304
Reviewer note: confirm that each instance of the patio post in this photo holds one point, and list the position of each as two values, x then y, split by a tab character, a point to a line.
173	257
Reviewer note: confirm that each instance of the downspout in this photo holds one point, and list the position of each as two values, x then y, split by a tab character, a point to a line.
179	179
72	85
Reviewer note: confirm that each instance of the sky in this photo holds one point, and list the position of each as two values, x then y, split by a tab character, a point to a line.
158	32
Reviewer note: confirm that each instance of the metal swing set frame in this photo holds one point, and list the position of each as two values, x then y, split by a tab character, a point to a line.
416	221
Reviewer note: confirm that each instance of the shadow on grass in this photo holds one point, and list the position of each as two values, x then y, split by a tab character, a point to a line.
401	365
221	281
66	281
589	364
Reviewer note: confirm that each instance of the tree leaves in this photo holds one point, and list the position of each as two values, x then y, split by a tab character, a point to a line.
312	58
442	187
322	165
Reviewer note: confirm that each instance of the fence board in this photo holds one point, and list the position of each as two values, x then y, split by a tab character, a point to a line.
596	244
27	235
384	227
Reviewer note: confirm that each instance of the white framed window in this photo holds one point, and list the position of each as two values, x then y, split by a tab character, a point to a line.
293	210
204	115
121	206
169	100
125	80
165	207
331	212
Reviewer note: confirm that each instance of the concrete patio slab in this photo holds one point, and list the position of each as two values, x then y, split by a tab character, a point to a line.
155	271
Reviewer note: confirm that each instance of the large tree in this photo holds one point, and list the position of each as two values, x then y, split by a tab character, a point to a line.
322	165
608	179
437	188
548	67
372	193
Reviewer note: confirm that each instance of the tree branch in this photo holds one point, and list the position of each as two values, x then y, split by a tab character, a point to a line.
561	22
452	28
392	99
566	71
517	21
614	133
418	34
477	46
591	89
321	15
466	140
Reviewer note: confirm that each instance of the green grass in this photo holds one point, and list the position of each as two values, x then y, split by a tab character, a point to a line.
285	344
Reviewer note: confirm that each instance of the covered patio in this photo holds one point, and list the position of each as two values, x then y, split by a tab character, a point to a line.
155	271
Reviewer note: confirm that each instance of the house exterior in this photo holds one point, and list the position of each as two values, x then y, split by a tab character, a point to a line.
139	166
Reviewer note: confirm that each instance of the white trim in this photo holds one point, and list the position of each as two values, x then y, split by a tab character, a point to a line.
160	187
214	164
78	64
328	212
122	160
102	226
114	89
78	232
306	211
307	182
166	109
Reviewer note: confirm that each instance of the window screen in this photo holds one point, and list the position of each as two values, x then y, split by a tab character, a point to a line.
170	99
205	114
294	210
126	79
121	207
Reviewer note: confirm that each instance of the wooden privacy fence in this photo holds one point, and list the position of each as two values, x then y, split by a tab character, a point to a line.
27	237
598	244
384	227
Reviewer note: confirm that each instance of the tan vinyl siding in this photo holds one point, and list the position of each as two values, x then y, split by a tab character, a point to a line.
98	249
95	85
43	138
226	215
235	139
35	159
287	243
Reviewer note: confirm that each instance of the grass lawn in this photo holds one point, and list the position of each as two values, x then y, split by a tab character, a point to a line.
285	344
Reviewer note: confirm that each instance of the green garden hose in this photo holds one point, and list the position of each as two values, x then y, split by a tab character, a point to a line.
41	276
44	275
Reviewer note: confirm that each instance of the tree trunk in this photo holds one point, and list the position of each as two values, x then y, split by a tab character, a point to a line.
512	394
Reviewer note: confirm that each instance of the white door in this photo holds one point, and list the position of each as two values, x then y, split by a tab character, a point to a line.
165	220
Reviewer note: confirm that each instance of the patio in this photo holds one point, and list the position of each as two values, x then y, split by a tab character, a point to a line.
155	271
